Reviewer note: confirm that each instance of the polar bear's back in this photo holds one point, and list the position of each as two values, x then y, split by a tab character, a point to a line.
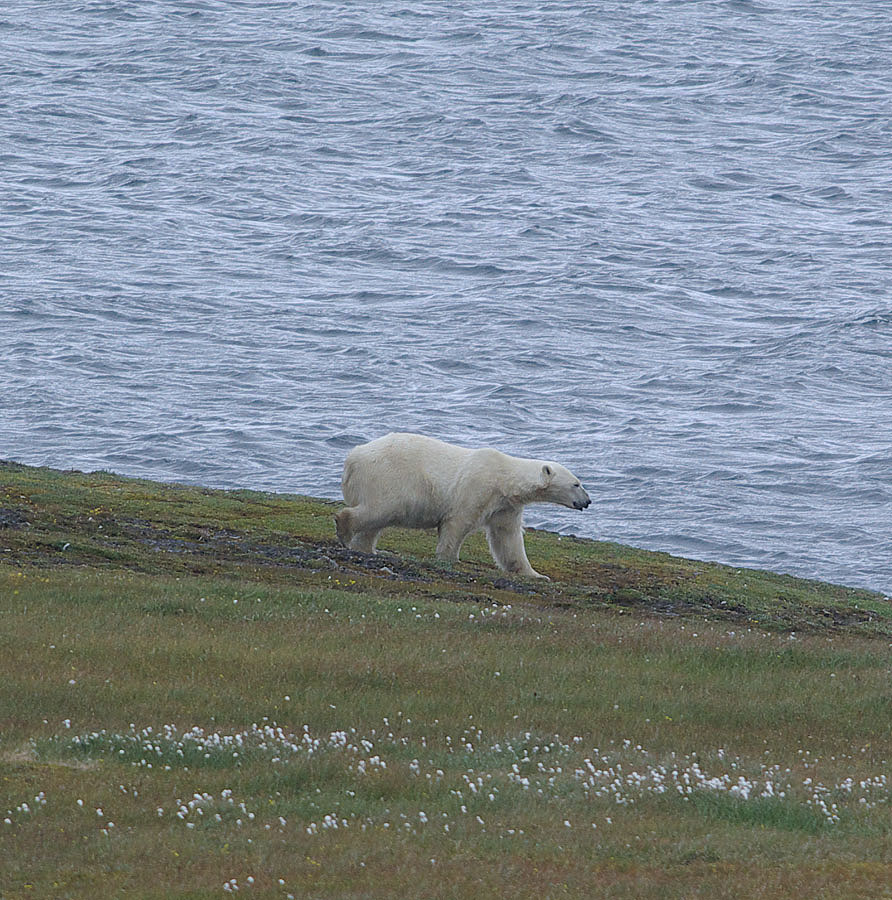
404	470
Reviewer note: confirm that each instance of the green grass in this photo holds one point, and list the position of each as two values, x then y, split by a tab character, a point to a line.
208	672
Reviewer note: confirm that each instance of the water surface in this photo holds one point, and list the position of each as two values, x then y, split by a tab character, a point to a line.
648	239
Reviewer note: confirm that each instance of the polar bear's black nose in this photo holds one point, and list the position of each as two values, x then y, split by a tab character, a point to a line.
583	504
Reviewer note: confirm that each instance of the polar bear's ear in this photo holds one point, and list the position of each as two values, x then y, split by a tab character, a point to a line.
547	473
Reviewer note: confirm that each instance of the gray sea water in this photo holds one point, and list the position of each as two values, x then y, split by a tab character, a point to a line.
650	239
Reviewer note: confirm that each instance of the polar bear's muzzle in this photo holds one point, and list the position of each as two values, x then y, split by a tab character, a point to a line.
583	501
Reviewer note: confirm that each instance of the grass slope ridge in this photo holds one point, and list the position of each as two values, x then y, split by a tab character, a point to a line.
201	694
103	521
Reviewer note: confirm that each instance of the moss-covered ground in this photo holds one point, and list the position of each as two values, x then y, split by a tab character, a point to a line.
202	694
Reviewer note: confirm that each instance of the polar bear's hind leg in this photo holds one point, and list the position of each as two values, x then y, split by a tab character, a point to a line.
357	530
343	526
365	541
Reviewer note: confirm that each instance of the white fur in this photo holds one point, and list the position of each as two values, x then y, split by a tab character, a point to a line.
413	481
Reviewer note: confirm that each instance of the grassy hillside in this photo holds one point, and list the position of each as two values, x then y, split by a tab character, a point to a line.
203	694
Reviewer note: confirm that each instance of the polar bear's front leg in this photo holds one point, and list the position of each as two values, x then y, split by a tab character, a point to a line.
504	534
451	536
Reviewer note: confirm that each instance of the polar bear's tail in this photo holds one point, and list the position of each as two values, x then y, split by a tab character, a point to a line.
349	486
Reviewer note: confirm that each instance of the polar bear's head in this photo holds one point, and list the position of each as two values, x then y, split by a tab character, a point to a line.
560	485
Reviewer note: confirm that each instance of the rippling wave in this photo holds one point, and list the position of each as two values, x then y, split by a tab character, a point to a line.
654	243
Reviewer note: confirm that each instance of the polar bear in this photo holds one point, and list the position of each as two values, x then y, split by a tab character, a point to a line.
414	481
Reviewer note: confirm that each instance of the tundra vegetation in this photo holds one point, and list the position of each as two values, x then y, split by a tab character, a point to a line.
202	694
